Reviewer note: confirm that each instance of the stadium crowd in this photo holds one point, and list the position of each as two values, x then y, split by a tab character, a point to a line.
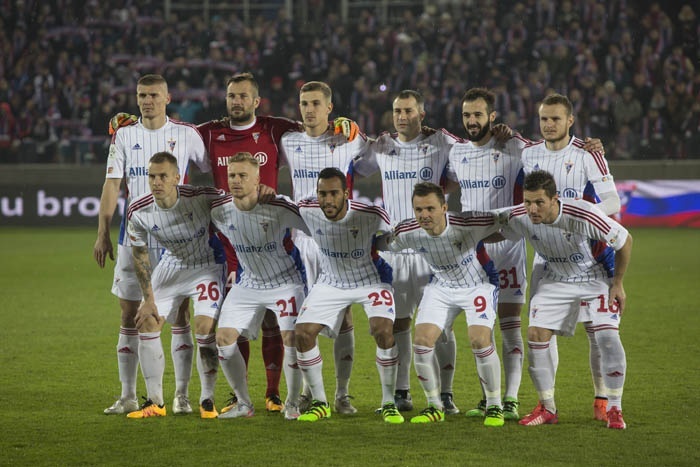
628	67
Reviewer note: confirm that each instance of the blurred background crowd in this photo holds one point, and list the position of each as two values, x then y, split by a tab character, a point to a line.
631	68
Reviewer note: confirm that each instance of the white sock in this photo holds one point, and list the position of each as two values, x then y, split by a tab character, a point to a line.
233	366
595	361
207	365
292	375
152	360
387	364
613	363
512	351
542	372
311	366
554	353
404	345
427	371
446	352
182	352
489	369
344	355
128	361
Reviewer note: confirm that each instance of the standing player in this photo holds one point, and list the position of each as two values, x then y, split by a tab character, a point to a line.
243	131
351	272
464	279
403	159
178	217
587	255
579	174
307	154
131	148
272	277
490	177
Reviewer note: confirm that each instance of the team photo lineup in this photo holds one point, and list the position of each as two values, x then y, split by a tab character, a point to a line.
252	262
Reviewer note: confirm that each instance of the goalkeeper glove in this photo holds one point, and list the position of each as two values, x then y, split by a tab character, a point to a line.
348	127
121	119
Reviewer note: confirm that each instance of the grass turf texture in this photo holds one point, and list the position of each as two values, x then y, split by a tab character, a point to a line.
59	372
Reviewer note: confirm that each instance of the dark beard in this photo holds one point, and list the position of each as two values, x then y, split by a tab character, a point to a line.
479	136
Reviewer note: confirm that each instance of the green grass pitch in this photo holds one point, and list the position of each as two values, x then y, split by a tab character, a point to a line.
57	355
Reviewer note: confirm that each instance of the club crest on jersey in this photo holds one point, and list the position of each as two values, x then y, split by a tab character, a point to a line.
534	312
256	136
495	156
264	226
354	231
457	245
424	148
189	215
567	236
332	147
171	144
568	166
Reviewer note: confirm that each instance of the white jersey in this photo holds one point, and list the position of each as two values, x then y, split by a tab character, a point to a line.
457	256
579	174
346	247
578	247
262	240
489	176
183	230
307	155
402	165
133	146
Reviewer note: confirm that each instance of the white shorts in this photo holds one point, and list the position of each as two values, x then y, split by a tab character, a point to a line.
125	284
510	260
308	250
441	305
326	305
537	274
244	308
205	286
557	306
411	273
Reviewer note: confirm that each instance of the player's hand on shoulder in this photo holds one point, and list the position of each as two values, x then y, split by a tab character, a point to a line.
501	133
266	194
427	131
593	145
120	120
347	127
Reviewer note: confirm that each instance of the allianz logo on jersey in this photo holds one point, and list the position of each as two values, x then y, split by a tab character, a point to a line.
569	193
498	182
268	247
179	241
136	172
426	173
303	173
358	253
573	258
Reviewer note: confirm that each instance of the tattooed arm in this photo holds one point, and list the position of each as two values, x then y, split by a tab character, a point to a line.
147	309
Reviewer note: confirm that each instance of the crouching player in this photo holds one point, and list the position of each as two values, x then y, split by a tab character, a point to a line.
464	279
178	217
351	272
586	255
271	276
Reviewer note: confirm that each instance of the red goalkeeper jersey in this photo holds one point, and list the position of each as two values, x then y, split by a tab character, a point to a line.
261	140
